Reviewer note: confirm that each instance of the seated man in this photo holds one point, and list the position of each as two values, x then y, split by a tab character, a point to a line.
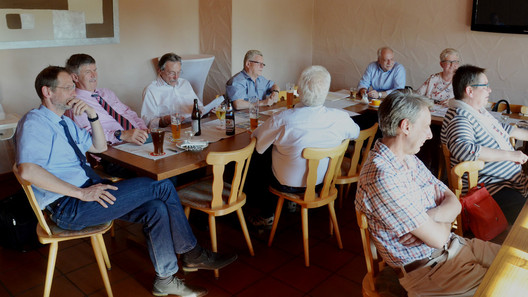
120	123
169	93
309	124
250	83
50	154
382	76
410	212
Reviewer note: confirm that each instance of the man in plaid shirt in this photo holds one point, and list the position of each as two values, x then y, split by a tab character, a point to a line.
410	212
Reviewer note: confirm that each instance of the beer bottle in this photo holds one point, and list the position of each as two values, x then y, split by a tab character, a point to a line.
230	118
195	117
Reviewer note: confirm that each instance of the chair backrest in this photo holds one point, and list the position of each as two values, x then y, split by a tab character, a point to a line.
32	201
366	134
314	156
218	160
471	168
373	261
447	162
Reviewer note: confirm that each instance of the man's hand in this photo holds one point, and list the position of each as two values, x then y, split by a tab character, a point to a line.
409	240
136	136
99	194
78	107
374	94
269	101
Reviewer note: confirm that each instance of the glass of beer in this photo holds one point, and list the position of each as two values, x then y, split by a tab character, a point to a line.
253	112
175	126
220	114
158	137
290	89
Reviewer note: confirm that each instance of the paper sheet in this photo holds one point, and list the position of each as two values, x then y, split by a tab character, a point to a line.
216	102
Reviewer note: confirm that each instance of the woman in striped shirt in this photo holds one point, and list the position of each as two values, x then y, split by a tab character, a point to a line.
472	133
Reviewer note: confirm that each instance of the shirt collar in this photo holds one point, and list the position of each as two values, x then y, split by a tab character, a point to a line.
160	82
84	93
50	114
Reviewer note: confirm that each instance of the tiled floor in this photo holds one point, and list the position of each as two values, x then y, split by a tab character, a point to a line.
274	271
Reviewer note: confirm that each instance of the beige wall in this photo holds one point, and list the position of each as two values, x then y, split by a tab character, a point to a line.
282	30
148	29
348	32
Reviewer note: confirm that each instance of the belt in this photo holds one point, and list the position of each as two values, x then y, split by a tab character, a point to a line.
415	265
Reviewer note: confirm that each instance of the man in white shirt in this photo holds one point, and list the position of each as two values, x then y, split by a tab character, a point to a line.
168	94
309	124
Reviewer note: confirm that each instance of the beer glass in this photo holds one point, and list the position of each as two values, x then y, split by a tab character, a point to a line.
158	137
290	88
253	112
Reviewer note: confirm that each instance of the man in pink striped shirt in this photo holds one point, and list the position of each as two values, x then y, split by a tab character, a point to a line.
84	74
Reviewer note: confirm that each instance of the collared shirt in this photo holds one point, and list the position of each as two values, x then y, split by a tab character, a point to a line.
383	81
160	98
110	125
395	197
436	88
465	137
241	86
295	129
41	140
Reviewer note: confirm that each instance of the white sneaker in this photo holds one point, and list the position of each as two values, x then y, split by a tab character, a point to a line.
291	206
176	287
260	222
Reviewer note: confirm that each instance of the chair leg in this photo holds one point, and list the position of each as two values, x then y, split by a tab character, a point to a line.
340	191
214	244
306	244
102	245
336	227
347	192
187	211
101	263
54	246
243	225
112	231
280	202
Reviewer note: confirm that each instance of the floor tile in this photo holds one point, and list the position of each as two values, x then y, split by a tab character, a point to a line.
303	278
270	286
336	286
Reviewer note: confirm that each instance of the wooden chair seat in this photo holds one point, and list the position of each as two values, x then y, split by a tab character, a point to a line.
199	196
310	198
49	233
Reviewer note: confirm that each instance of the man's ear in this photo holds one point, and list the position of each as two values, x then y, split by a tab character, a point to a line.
469	91
405	126
75	77
46	91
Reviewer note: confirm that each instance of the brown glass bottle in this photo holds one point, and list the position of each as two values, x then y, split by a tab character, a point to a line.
195	117
230	118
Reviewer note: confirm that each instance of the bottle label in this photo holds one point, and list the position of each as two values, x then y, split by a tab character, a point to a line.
195	126
230	125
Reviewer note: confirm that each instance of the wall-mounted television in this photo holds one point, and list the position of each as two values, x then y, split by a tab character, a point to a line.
506	16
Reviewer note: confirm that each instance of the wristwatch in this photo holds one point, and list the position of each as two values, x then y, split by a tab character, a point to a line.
274	91
117	134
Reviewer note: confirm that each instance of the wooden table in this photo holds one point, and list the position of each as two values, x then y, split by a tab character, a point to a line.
508	274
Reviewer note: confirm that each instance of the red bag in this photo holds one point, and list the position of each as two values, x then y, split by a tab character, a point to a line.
482	214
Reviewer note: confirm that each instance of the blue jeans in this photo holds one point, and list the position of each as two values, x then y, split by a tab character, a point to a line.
155	204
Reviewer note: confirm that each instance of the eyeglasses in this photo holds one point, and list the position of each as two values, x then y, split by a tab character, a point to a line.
174	72
69	88
480	85
257	62
451	61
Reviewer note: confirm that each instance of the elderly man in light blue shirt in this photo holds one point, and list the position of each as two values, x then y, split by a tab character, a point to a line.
382	76
250	83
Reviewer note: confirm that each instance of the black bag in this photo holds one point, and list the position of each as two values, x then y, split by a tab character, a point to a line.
18	224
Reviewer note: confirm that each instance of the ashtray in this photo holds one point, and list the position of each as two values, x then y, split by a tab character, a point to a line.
192	146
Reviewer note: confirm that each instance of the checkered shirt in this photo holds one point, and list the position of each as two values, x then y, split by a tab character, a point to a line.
395	197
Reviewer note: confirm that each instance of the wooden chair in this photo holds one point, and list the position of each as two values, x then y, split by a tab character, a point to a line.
311	199
217	198
447	162
374	263
351	166
49	233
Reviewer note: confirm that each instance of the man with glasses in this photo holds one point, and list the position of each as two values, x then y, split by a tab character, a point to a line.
472	133
250	83
167	94
50	154
382	76
120	123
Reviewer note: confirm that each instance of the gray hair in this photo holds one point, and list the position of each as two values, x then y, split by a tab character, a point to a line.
400	105
381	49
314	84
172	57
250	54
448	51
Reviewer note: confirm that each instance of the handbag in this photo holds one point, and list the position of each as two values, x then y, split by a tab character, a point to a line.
482	214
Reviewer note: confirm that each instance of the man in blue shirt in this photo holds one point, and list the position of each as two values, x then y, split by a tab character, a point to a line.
250	83
382	76
50	154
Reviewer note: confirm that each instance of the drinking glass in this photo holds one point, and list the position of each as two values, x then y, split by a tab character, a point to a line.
290	88
353	93
158	137
220	114
175	126
253	112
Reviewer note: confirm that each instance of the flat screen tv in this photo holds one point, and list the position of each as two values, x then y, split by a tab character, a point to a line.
506	16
